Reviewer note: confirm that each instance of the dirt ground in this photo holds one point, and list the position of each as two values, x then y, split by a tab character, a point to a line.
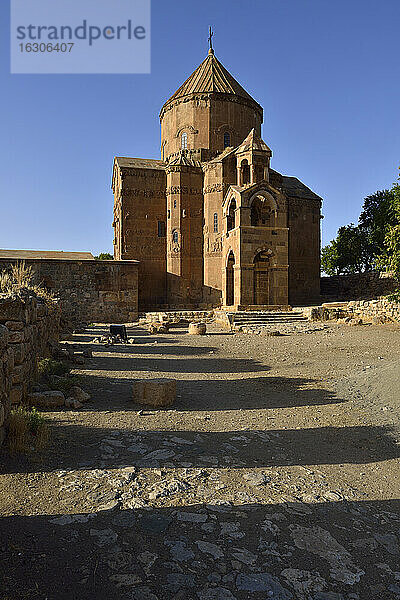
275	475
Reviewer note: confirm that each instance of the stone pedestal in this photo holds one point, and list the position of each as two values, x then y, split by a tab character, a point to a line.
154	392
197	328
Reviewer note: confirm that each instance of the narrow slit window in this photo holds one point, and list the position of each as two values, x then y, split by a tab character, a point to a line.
161	228
184	141
215	222
227	139
175	237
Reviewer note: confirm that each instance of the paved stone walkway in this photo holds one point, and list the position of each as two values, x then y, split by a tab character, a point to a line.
261	483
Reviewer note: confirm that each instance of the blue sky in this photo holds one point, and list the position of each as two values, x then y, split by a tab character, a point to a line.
326	73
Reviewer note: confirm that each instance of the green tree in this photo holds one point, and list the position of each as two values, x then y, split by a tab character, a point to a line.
376	216
390	257
329	259
348	253
104	256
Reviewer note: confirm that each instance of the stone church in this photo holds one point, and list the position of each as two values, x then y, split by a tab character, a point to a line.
212	223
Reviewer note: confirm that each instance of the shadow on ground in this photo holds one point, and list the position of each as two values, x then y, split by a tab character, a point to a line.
204	552
96	447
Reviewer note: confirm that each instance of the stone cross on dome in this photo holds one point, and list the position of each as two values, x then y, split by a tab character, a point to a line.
211	33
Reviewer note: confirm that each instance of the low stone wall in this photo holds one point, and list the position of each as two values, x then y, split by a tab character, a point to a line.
377	311
380	310
27	329
176	317
89	290
360	286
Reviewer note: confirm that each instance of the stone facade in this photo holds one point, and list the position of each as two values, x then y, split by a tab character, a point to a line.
211	223
27	328
89	290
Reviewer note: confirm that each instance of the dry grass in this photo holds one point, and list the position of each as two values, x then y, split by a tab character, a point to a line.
5	282
22	275
27	429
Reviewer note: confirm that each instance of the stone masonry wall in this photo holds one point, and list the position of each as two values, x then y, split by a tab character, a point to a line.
380	310
89	290
375	311
360	286
27	329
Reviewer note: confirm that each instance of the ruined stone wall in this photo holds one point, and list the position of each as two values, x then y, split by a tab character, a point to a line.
27	329
380	310
89	290
357	286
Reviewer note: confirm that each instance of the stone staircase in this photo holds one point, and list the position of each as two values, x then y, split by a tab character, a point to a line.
255	319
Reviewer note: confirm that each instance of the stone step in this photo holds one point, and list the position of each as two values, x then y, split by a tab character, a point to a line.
265	318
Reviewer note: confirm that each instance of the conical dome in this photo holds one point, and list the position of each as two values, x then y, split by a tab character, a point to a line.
210	77
207	113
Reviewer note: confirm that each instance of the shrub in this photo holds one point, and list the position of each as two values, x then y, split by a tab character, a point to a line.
64	384
27	428
48	367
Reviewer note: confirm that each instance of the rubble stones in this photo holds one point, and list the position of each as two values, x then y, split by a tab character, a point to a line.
79	394
156	327
52	399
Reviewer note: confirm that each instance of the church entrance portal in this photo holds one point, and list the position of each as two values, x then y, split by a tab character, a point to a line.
262	279
230	280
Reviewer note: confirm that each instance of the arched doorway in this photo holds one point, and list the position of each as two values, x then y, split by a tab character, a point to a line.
230	280
262	279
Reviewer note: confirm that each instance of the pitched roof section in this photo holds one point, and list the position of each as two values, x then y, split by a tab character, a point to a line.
139	163
294	188
59	254
253	142
211	77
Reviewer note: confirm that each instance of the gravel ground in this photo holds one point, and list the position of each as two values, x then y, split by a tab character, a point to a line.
275	475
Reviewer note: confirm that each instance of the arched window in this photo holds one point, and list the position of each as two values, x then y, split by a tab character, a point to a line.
231	215
245	168
262	214
227	139
184	140
175	236
215	222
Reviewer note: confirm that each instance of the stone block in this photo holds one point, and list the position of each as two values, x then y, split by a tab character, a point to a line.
73	403
79	394
19	351
154	392
12	309
19	373
2	434
51	399
4	333
16	394
41	310
197	328
16	337
14	325
158	327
